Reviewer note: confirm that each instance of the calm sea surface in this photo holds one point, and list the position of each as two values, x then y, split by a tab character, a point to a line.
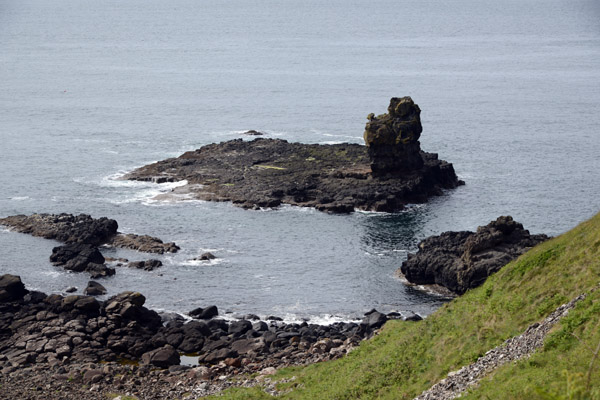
510	93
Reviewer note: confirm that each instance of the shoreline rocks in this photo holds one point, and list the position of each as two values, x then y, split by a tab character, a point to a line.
82	235
39	328
82	228
119	344
463	260
383	176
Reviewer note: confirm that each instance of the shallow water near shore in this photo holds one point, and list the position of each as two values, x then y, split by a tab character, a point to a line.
509	94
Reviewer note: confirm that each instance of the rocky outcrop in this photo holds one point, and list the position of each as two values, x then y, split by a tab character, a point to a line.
147	265
143	243
463	260
393	138
388	173
83	228
65	228
79	257
253	132
94	289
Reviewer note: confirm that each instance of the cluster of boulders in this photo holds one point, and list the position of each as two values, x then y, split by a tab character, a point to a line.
463	260
82	236
56	330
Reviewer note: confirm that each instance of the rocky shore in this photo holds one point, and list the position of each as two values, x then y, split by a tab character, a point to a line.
463	260
119	346
385	175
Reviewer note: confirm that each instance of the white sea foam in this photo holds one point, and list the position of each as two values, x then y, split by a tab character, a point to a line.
332	142
203	263
19	198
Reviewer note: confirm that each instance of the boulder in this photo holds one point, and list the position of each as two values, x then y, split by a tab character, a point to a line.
77	257
11	288
148	265
463	260
144	243
374	319
393	138
240	327
253	132
204	313
94	289
206	257
163	357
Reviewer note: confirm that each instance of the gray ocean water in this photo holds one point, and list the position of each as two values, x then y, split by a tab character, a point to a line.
510	93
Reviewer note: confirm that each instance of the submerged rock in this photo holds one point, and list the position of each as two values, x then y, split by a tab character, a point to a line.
143	243
94	289
147	265
388	173
253	132
206	257
463	260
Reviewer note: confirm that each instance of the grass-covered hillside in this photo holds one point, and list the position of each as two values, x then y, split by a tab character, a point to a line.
407	358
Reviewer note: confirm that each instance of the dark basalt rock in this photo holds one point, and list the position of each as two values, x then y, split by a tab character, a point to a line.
393	138
374	319
83	228
391	172
147	265
144	243
162	358
463	260
252	132
79	257
65	228
205	313
11	288
94	289
74	330
206	257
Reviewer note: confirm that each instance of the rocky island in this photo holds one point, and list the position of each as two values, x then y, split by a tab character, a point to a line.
385	175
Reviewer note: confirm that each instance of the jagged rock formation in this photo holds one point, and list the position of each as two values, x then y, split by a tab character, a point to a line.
65	228
463	260
391	172
393	138
83	228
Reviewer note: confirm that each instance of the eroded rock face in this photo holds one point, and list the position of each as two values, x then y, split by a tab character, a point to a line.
393	138
463	260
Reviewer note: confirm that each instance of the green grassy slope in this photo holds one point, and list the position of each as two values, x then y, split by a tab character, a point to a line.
407	358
